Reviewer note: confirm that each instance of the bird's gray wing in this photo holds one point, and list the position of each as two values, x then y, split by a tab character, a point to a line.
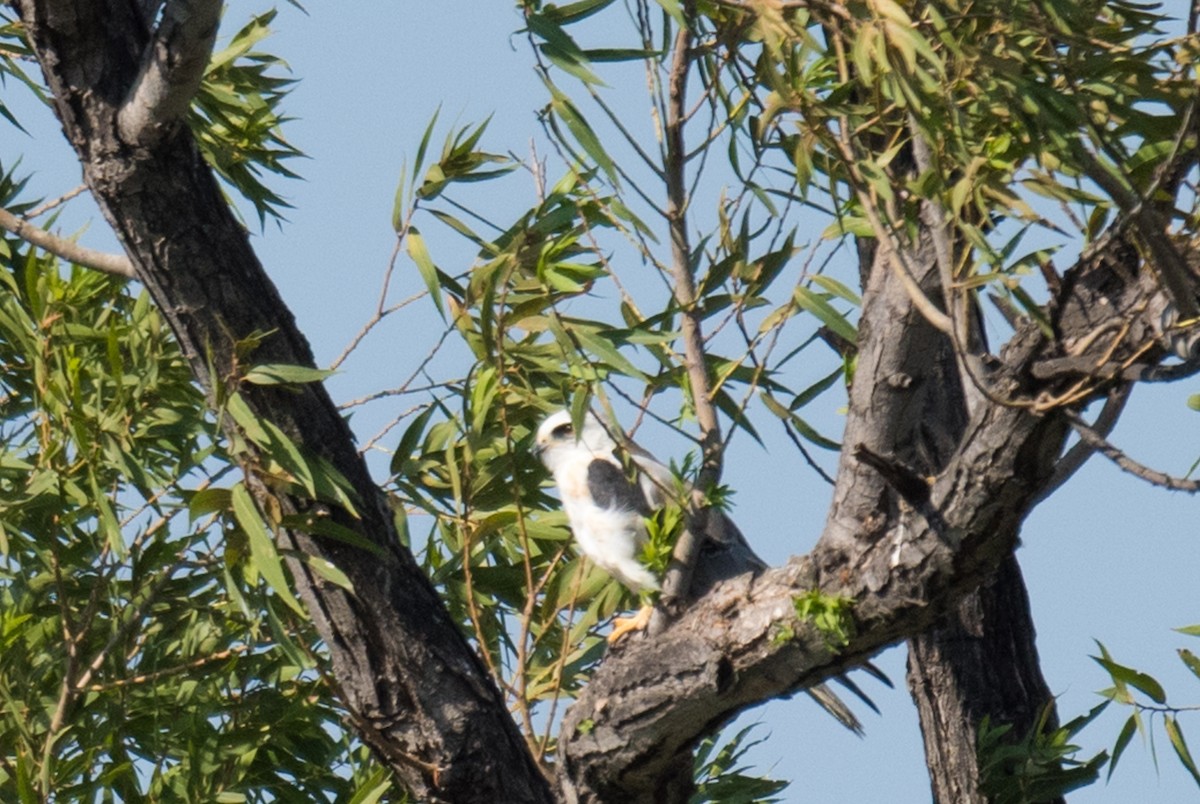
724	553
611	489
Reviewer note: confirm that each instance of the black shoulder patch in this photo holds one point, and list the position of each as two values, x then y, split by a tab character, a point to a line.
611	489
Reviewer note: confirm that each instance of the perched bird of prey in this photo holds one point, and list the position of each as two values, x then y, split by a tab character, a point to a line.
606	511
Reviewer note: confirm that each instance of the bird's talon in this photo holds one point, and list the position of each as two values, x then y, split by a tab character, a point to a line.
623	625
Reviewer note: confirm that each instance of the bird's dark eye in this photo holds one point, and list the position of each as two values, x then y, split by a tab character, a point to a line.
562	431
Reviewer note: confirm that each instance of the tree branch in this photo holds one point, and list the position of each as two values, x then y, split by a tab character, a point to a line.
678	576
1077	456
634	725
173	65
116	264
1098	443
405	673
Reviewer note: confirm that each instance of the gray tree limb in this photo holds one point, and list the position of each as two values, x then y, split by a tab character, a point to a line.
116	264
173	63
634	725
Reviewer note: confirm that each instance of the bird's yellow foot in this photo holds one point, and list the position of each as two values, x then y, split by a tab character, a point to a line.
623	625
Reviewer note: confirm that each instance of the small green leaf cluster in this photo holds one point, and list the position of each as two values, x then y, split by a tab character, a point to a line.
721	779
1127	683
237	118
662	531
1038	766
832	616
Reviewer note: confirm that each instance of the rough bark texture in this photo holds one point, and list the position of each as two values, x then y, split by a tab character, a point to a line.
979	660
905	558
903	550
417	691
908	403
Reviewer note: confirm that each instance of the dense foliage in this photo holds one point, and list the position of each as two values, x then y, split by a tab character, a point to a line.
151	643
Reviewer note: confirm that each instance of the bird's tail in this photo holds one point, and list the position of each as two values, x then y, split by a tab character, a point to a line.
828	700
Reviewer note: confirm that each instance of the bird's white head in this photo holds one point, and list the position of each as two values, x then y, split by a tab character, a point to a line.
557	440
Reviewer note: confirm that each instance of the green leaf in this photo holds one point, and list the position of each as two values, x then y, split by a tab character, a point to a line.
582	132
1175	734
1127	732
109	526
262	546
825	313
803	428
1190	659
1134	678
415	244
831	285
372	789
285	374
208	501
327	570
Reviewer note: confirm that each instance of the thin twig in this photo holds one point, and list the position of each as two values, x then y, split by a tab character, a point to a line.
1078	454
687	548
54	203
1153	476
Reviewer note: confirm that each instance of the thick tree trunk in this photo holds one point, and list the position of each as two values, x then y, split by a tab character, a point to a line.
416	690
979	660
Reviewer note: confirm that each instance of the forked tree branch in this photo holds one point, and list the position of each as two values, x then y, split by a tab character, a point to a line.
172	66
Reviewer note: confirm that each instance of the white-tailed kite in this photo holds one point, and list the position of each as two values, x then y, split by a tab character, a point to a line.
607	511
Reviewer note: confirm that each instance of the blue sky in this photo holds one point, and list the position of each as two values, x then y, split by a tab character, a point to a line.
1107	558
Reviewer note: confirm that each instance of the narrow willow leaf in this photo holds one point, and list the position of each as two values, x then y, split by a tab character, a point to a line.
109	526
582	132
825	313
208	501
285	374
1175	734
1134	678
415	244
262	546
831	285
246	419
1190	659
327	570
372	789
1127	732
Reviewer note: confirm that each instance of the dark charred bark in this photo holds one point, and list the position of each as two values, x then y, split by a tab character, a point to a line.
415	689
